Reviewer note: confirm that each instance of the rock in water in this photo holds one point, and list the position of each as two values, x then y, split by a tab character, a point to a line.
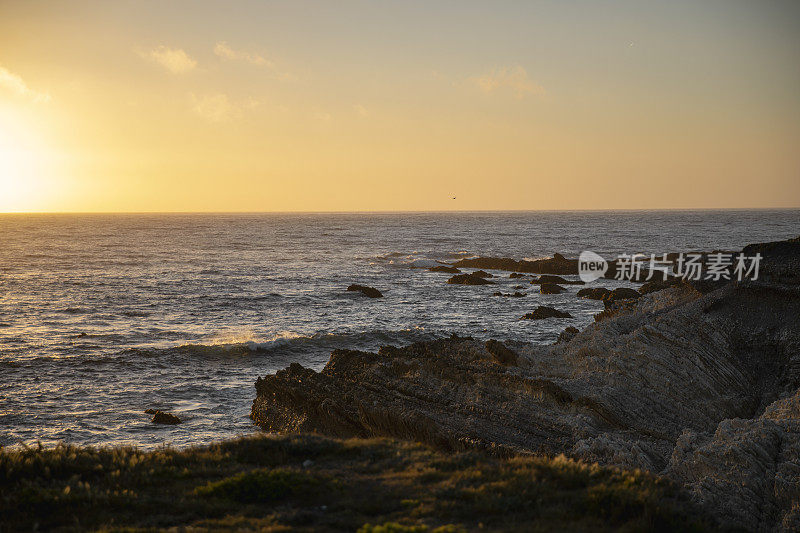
701	388
543	312
444	268
551	288
468	279
596	293
622	293
558	264
482	274
549	278
160	417
368	291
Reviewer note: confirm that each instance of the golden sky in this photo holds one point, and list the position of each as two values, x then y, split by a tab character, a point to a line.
379	105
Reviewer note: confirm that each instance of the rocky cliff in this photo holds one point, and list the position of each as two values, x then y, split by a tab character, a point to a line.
700	386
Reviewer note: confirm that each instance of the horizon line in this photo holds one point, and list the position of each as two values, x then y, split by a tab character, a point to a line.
388	211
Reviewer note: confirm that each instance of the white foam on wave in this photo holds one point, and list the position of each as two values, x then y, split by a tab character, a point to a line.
250	340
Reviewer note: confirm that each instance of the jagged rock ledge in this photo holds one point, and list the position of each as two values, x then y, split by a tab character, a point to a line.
700	386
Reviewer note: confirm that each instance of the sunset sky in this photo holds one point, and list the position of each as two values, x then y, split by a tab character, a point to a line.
370	106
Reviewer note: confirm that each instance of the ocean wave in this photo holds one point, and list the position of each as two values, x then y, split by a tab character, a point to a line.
289	344
418	259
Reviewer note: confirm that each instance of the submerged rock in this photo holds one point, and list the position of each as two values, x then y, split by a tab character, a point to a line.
444	268
551	288
367	291
468	279
510	295
515	275
542	312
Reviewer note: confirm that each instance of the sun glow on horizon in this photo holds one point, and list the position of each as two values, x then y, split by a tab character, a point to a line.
26	166
184	106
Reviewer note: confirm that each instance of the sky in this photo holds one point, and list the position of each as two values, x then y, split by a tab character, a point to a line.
398	106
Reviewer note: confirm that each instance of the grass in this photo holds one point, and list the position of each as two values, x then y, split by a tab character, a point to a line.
310	483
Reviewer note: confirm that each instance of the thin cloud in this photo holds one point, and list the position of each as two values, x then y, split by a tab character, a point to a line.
223	50
174	60
514	79
360	110
214	107
15	84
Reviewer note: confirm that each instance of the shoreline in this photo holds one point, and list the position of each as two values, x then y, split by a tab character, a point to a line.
695	382
685	397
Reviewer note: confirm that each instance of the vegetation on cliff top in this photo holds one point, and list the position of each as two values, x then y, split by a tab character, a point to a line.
315	483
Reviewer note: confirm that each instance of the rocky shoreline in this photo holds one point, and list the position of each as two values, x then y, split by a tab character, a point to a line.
699	383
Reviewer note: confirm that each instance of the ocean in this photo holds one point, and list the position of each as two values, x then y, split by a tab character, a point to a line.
104	316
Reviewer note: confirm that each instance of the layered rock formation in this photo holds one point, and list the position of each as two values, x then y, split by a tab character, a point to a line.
698	385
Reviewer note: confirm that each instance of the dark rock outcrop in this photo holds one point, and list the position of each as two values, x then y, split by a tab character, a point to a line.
568	334
515	275
367	291
482	274
501	353
549	278
543	312
468	279
658	285
558	264
444	268
551	288
594	293
615	308
703	389
621	293
160	417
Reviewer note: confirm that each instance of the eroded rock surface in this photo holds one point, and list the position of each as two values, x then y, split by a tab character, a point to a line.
701	387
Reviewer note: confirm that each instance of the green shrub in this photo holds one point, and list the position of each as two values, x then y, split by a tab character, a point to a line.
262	485
394	527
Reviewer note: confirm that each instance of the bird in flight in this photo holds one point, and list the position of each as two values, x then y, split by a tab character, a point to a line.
454	197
